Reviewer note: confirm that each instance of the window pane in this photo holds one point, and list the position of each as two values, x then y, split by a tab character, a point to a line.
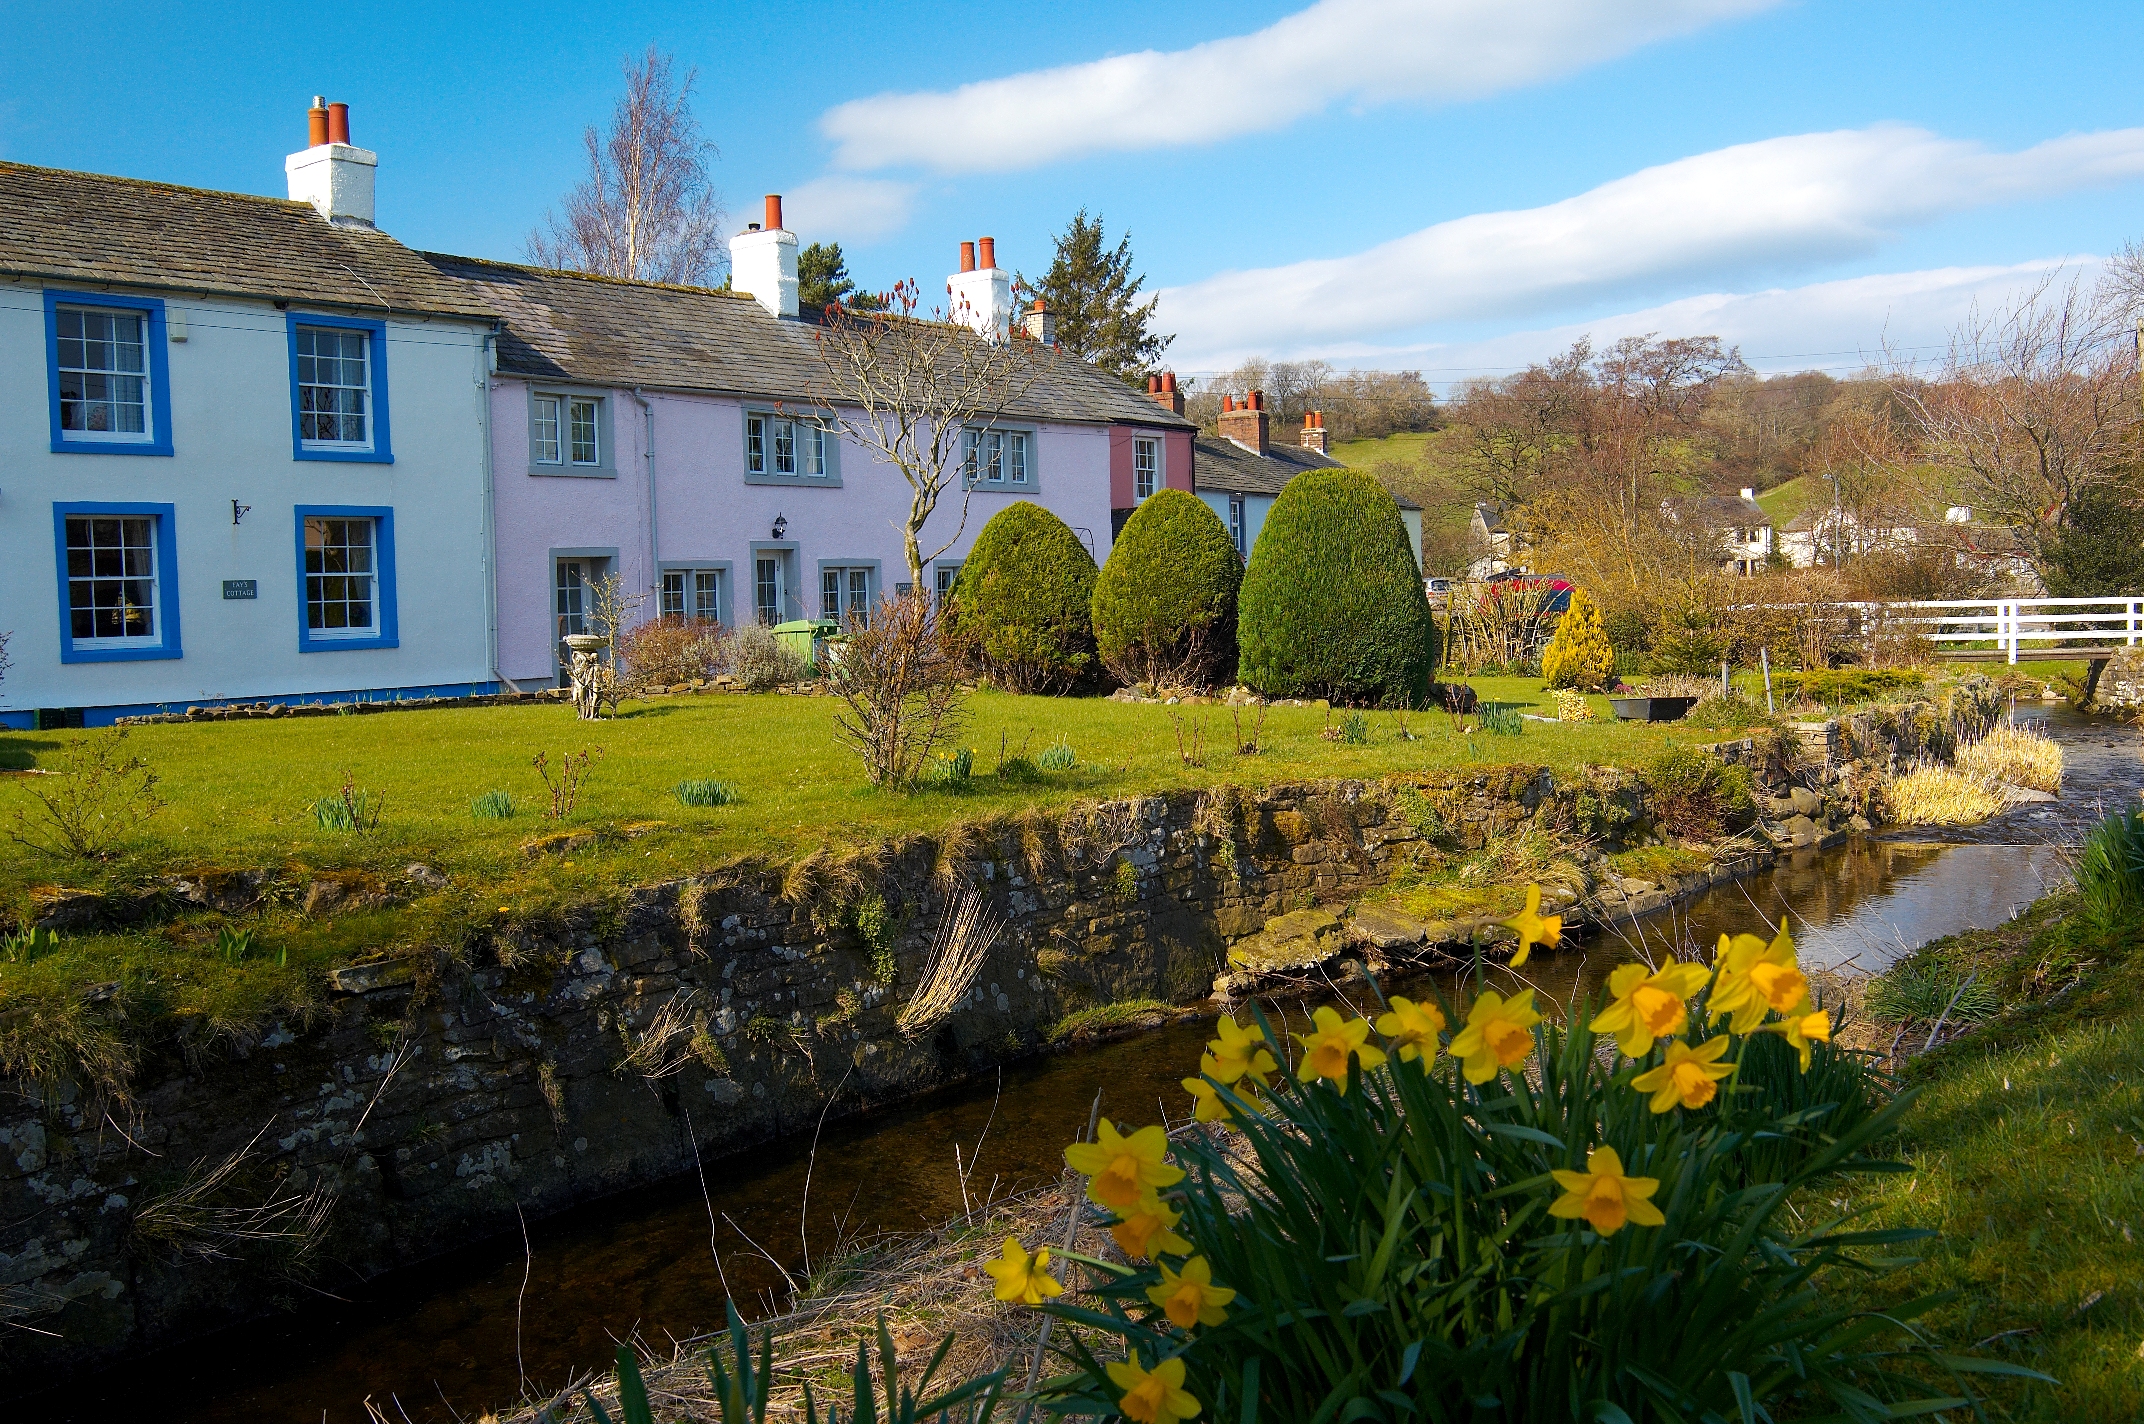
767	591
813	439
339	585
334	386
785	447
546	435
706	595
1146	460
830	593
994	457
583	415
973	443
755	444
859	595
673	599
111	577
103	365
1016	455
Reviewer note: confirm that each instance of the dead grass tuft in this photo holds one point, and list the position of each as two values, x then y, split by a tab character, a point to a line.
1942	796
2021	756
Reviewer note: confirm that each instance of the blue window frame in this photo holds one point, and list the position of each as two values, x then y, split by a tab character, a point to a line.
338	389
107	374
118	582
346	577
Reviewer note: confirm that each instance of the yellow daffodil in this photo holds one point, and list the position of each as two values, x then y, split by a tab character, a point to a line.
1802	1030
1649	1004
1191	1298
1690	1076
1210	1106
1412	1029
1123	1168
1604	1196
1499	1034
1533	927
1022	1277
1326	1047
1756	978
1153	1396
1238	1051
1147	1227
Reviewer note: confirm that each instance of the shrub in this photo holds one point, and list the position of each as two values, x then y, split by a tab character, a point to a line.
707	793
1686	642
492	806
1332	603
665	651
1022	606
901	690
1579	655
101	795
1845	686
1696	796
1941	796
1571	706
1165	603
2022	756
1729	713
762	661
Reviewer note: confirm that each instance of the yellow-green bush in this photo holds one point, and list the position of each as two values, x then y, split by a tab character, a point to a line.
1579	655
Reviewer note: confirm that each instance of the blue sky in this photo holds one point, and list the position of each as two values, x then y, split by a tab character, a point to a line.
1453	185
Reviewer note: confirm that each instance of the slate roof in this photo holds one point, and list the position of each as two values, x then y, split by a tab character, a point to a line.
570	326
94	230
1722	510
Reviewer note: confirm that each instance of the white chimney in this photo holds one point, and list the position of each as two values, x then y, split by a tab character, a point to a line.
1749	494
981	292
763	262
333	176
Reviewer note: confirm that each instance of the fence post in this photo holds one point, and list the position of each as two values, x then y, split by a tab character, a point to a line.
2014	619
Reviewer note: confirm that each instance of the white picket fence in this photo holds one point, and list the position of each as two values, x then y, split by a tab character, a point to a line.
2062	627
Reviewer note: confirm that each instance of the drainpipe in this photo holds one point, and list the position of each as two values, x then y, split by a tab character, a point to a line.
655	565
490	353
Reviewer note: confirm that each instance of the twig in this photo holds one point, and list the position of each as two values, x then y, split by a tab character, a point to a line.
804	1206
1960	992
528	1263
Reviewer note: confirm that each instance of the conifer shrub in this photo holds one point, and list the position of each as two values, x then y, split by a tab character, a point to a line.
1165	603
1021	608
1579	655
1332	603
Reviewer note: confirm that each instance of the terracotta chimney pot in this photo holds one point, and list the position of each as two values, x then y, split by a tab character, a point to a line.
316	122
774	212
339	123
986	253
967	257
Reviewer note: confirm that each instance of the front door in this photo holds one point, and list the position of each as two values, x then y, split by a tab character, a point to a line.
767	589
573	602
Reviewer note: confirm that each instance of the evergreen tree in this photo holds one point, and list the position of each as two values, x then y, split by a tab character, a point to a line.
823	279
1095	295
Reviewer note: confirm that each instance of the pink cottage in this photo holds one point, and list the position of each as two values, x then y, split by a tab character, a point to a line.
663	434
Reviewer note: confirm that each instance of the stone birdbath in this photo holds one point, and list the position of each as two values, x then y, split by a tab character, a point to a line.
592	677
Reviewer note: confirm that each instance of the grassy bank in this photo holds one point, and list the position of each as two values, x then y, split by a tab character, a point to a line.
2028	1153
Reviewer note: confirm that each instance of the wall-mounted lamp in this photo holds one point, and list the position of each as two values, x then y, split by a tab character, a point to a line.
781	526
239	511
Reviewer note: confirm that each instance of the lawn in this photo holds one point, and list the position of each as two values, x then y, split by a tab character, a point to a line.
2028	1152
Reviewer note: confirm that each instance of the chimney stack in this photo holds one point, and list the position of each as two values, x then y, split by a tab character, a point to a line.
1245	422
331	173
1162	391
1041	323
981	294
1314	431
763	262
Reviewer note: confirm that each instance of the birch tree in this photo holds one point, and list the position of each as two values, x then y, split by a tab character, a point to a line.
647	209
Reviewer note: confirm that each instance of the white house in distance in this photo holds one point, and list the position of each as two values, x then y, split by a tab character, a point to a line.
242	447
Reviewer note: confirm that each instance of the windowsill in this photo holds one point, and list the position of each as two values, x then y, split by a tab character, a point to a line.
573	472
89	446
1005	487
110	653
830	480
369	456
310	642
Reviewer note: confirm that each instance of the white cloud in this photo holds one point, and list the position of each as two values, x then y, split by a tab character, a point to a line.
1779	205
1838	326
1361	51
840	208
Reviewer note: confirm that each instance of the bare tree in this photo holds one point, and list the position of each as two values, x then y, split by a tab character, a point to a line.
2035	405
910	389
902	690
646	210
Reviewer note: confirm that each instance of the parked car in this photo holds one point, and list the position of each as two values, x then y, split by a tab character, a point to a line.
1440	592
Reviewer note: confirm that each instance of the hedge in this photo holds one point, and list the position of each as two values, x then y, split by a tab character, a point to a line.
1165	604
1332	603
1020	605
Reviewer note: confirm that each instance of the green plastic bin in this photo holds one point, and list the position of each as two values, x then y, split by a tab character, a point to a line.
803	637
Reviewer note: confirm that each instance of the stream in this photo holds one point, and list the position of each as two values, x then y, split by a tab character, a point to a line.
471	1331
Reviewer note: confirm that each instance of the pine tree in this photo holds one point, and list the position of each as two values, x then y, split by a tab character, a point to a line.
1095	295
823	279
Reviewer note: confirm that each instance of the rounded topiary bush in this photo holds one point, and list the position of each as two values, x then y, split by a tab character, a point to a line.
1579	655
1165	603
1021	604
1332	603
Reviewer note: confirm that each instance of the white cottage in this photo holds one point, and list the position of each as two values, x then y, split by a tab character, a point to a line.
242	447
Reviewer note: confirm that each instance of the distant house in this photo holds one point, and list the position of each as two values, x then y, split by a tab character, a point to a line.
1743	529
1823	536
1498	545
1240	472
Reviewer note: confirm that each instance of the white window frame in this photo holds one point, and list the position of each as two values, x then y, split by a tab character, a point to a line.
152	638
371	412
788	449
1238	525
1146	482
371	630
1000	457
691	577
551	432
847	574
944	574
147	434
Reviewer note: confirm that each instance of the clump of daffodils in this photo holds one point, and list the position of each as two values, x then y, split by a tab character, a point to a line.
1677	1026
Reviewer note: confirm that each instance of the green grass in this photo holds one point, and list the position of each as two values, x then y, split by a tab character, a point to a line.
1101	1018
2028	1150
1435	448
1797	496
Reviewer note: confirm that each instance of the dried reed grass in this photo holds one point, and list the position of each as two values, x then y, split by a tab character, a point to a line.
664	1047
2021	756
967	932
1942	796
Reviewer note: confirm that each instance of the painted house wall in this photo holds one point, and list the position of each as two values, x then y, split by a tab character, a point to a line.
706	515
1255	509
1176	457
231	428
